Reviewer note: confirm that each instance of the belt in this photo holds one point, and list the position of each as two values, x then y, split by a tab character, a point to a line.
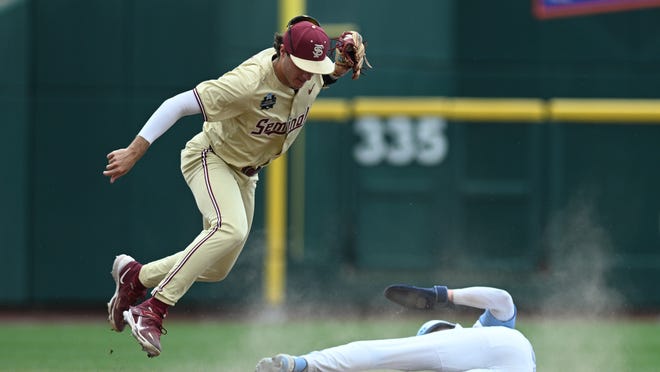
250	171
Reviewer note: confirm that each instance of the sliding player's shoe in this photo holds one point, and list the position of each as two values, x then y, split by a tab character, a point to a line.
282	363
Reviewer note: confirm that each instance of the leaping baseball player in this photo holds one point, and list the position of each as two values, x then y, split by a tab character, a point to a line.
491	344
252	115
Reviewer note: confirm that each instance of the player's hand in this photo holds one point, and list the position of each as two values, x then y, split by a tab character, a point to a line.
121	161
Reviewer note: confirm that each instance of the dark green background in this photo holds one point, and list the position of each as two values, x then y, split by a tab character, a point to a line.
553	211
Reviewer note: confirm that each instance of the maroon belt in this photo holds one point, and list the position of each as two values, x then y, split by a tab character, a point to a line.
250	171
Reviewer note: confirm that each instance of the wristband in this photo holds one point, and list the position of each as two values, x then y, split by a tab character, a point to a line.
441	294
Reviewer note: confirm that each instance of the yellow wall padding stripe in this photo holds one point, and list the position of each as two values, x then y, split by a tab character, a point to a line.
469	109
408	106
333	109
475	109
492	109
605	110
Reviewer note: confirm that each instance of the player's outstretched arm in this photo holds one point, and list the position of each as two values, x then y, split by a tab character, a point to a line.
121	161
498	301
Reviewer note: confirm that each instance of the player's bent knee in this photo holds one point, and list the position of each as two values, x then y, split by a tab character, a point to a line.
237	234
231	233
213	276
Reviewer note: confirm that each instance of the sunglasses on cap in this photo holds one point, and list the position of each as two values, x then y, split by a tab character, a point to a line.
298	19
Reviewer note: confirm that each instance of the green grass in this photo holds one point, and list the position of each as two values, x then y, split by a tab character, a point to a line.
222	345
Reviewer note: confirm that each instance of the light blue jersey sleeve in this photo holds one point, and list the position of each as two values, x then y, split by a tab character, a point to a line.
488	320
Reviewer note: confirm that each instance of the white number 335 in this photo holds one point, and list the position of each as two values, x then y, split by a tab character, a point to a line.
399	141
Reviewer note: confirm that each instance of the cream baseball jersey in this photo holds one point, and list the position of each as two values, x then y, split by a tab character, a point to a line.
250	117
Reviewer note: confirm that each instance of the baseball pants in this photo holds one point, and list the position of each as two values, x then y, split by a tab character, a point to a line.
461	349
225	198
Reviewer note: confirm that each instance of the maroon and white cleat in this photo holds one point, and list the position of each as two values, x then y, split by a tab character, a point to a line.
146	326
128	290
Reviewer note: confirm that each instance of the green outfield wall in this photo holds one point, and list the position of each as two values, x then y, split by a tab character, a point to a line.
485	147
15	132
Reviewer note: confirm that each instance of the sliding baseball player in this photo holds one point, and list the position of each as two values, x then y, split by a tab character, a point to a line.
491	344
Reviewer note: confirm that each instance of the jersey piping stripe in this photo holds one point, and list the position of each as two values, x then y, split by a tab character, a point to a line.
199	102
217	226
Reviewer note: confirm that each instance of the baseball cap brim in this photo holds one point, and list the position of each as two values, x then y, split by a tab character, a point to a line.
324	67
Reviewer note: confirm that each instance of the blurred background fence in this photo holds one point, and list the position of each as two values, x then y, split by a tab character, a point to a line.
486	146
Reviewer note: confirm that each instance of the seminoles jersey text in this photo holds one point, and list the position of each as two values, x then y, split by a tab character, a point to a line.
266	127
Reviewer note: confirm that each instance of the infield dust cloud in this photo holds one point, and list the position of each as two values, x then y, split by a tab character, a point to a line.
577	290
580	256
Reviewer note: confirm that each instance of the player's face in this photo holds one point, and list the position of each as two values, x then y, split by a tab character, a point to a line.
294	76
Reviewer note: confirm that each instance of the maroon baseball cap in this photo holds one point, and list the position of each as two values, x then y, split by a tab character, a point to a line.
308	46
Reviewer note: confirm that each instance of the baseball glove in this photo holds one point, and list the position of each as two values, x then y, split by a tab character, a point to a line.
351	53
417	298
